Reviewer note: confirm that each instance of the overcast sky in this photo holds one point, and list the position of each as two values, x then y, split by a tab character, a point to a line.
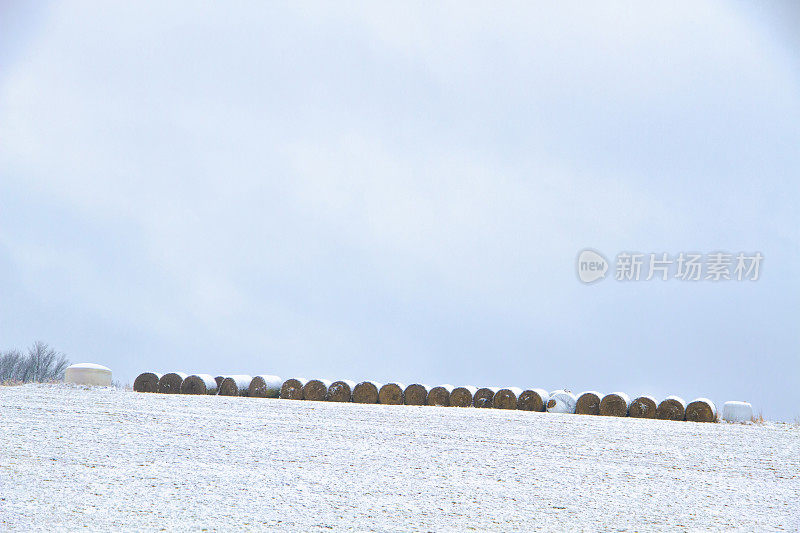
369	191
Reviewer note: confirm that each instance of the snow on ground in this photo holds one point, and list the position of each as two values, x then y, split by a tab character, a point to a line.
110	459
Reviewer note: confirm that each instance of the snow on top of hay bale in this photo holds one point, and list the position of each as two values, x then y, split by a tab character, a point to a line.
588	403
643	407
341	391
615	404
671	408
146	382
533	400
199	384
391	394
316	390
701	410
561	401
440	395
734	411
462	396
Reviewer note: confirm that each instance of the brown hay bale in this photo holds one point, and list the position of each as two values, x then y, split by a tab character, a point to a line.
171	383
671	408
462	396
439	395
219	380
238	385
643	407
366	392
533	400
265	386
588	403
415	394
146	382
391	394
483	397
199	384
506	398
701	410
316	390
341	391
615	404
292	389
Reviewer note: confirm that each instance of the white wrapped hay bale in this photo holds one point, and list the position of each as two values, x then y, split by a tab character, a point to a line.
440	395
146	382
199	384
506	398
265	386
237	385
615	404
533	400
462	396
561	401
701	410
171	382
737	412
341	391
391	394
671	408
588	403
88	374
643	407
316	390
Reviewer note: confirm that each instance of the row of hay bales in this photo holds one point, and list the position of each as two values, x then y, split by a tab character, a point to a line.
558	401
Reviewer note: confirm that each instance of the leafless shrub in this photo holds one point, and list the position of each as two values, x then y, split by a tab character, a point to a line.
42	363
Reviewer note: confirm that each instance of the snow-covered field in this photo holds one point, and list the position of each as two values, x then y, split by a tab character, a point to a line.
113	460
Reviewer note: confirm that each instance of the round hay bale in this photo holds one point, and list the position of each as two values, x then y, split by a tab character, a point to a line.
391	394
483	397
199	384
90	374
238	385
643	407
561	401
171	383
341	391
737	412
265	386
440	395
292	389
533	400
366	392
146	382
588	403
415	394
506	398
615	404
462	396
701	410
671	408
316	390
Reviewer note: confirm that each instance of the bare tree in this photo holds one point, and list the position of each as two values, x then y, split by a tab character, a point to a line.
42	363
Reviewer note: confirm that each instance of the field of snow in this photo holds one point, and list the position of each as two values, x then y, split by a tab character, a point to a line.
110	459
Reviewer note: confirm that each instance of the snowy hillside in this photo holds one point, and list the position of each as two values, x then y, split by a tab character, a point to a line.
112	460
